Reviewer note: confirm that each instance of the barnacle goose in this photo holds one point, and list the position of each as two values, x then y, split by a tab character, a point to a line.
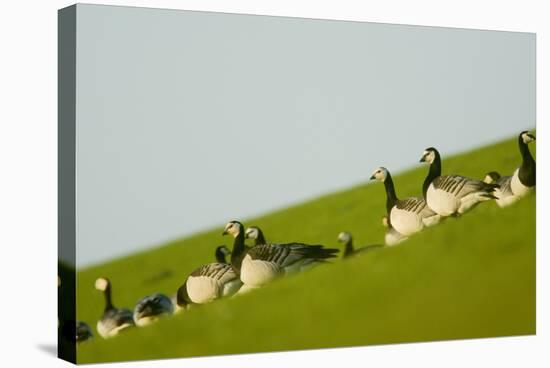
83	332
347	239
406	216
392	236
452	194
262	263
221	252
208	283
151	308
522	181
256	234
114	319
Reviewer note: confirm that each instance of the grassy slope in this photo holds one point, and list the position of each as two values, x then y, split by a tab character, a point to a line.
469	277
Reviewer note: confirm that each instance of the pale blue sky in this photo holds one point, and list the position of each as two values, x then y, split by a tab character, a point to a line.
186	120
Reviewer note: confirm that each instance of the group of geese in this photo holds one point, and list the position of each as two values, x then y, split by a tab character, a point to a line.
253	266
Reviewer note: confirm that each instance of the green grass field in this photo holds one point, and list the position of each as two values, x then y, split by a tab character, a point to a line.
468	277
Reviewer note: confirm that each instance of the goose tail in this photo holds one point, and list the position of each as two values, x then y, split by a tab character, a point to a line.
318	252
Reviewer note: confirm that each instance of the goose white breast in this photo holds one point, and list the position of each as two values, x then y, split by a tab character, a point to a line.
210	282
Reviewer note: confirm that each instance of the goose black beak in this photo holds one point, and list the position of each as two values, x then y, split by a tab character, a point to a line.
422	159
224	232
372	177
532	137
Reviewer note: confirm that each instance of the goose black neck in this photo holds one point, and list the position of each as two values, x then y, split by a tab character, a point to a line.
527	170
434	172
238	251
260	239
349	248
220	256
524	150
108	299
391	197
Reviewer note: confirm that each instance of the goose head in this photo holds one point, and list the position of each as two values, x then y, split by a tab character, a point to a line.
379	174
491	177
527	137
253	232
233	228
344	237
429	155
102	283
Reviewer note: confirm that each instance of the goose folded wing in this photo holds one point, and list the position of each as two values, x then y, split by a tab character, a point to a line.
221	272
285	255
117	317
415	205
461	186
155	300
505	183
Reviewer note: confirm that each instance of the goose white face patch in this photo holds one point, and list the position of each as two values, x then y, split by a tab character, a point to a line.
380	174
428	156
527	138
233	228
344	237
252	233
101	284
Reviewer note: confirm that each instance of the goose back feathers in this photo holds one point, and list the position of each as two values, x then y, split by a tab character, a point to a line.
265	262
114	321
208	283
151	308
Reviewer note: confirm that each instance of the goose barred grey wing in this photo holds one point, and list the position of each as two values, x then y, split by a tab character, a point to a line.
415	205
114	318
505	183
285	255
154	304
461	186
218	271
